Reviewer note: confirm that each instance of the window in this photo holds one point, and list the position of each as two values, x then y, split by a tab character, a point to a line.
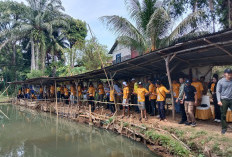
118	58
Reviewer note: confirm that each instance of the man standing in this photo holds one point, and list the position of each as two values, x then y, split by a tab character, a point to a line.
176	87
125	98
161	97
180	101
190	98
224	96
91	92
152	97
199	88
141	93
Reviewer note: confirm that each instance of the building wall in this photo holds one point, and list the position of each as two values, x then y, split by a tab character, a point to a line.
124	51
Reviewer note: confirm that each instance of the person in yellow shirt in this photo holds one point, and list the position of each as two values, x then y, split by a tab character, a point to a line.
41	92
52	91
125	98
112	100
79	93
101	92
161	97
152	97
66	94
28	93
91	92
176	88
62	92
199	87
141	93
73	93
20	93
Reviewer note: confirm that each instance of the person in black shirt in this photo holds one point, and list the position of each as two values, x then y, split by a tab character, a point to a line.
190	99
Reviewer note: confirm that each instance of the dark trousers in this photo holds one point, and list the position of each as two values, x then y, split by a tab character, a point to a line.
148	105
107	100
161	107
66	99
112	107
153	106
182	110
217	108
92	103
226	103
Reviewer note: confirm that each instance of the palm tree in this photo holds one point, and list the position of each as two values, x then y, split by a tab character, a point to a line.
152	27
41	18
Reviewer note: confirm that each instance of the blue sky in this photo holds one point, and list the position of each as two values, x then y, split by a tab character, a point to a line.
91	10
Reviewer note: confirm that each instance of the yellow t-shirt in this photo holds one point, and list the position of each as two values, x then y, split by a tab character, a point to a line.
62	90
152	91
28	90
52	89
101	89
111	95
58	89
141	94
199	89
176	88
79	90
20	92
125	92
91	91
66	91
212	87
161	93
135	87
41	90
73	91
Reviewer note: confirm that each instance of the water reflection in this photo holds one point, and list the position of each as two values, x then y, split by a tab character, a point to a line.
31	133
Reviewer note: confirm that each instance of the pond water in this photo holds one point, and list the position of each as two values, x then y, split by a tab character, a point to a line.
29	133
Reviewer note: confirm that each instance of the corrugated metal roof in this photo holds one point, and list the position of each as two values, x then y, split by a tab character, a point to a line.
212	49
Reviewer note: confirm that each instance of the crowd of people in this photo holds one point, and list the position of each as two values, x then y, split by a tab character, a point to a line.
145	97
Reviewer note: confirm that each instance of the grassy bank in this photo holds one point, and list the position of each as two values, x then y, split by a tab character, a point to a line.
202	142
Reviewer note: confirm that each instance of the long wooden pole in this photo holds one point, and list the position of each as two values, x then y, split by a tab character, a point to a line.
167	60
5	90
229	16
56	100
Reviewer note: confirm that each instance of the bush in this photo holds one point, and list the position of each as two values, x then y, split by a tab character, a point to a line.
35	74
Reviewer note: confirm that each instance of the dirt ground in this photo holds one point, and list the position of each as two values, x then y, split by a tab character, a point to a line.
206	125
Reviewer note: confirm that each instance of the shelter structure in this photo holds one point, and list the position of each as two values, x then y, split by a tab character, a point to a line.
205	51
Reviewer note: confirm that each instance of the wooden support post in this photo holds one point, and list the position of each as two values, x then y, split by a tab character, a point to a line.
167	61
56	100
90	115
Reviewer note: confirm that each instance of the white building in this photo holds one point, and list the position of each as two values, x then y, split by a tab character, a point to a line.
121	53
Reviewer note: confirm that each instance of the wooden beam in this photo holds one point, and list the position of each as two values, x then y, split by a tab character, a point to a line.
56	100
219	47
167	61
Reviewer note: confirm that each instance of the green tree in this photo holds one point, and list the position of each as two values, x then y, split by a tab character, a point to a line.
41	18
90	55
153	24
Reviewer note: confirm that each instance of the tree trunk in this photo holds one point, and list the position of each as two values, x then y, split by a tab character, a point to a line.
43	57
153	42
14	53
32	55
37	57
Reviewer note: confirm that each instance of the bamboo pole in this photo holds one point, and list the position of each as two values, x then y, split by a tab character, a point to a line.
167	61
56	100
5	90
4	114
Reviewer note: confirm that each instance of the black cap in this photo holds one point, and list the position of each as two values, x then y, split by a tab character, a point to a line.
139	83
187	81
228	70
158	82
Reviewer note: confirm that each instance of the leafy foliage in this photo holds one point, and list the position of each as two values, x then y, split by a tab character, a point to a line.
153	21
